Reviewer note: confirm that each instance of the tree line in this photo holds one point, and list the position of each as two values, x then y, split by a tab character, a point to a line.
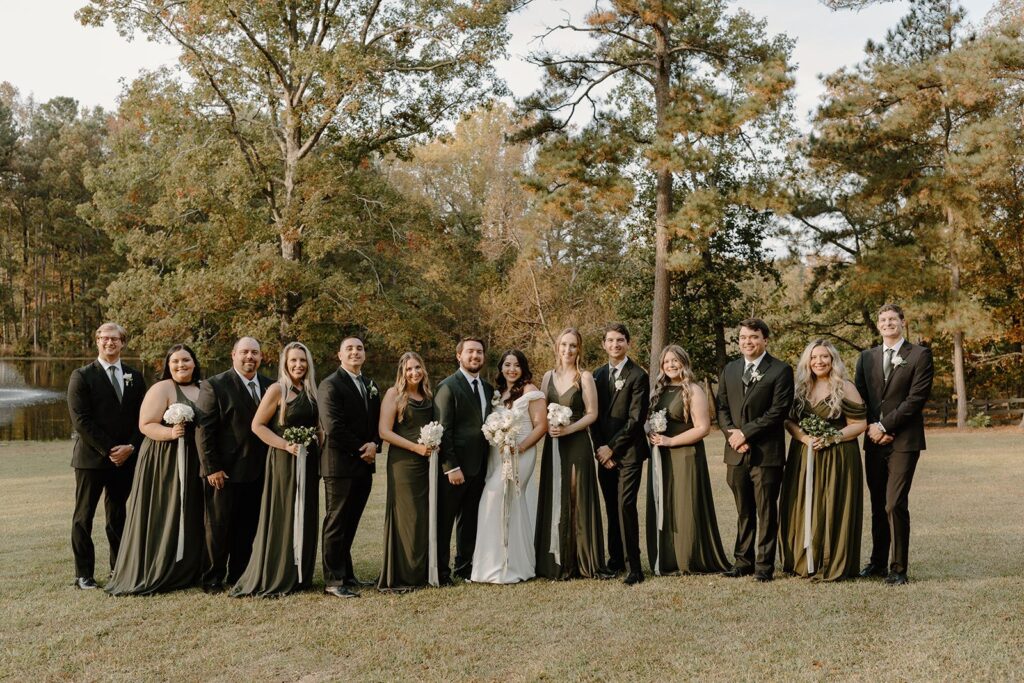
311	168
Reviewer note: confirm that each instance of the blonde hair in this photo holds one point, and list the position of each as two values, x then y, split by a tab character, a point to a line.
663	379
579	352
805	379
111	326
402	386
285	380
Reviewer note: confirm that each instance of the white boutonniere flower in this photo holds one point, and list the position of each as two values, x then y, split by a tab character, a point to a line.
127	379
372	389
898	360
619	384
755	376
496	398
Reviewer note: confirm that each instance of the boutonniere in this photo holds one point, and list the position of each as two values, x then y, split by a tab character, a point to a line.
496	398
898	360
372	389
619	384
127	379
755	376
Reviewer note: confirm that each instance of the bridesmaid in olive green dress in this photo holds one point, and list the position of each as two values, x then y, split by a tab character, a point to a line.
835	496
162	548
407	406
569	538
282	535
688	541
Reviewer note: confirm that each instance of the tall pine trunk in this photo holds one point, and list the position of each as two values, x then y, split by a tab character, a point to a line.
663	204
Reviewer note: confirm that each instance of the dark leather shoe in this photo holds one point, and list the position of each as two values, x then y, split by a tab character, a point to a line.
356	583
872	570
897	579
633	578
85	583
340	592
445	581
763	577
736	572
605	575
213	588
615	568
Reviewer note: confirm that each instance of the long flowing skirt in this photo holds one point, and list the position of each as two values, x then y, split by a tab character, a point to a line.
492	561
406	522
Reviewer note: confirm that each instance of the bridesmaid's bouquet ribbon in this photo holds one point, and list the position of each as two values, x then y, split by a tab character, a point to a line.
501	429
816	428
657	423
430	436
302	436
176	414
558	416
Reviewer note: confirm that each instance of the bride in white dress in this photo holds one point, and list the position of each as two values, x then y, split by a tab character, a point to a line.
493	561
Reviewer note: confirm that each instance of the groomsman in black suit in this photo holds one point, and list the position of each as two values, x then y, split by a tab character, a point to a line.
896	380
755	395
623	398
104	398
232	461
463	402
349	413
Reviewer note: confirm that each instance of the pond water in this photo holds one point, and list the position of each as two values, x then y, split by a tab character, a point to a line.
33	393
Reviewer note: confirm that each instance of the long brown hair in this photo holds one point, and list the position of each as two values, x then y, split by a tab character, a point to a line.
525	376
663	380
579	352
402	386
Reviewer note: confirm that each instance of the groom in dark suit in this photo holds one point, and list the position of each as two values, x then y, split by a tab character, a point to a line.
349	413
895	380
232	461
463	402
104	398
755	394
623	397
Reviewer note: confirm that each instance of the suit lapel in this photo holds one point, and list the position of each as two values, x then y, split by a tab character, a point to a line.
877	371
347	381
105	377
904	352
762	370
467	389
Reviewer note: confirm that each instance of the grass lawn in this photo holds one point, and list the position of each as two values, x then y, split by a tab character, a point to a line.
962	617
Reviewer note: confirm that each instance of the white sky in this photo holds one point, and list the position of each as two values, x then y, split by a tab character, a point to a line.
45	52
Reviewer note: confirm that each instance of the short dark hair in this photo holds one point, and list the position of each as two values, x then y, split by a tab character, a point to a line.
756	324
197	371
462	342
616	327
890	307
351	336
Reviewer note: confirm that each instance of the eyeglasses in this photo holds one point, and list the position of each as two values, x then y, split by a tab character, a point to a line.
108	339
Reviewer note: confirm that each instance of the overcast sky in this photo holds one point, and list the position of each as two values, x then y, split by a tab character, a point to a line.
45	52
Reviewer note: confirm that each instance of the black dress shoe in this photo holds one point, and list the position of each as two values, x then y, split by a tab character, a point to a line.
85	583
603	575
763	577
356	583
736	572
616	569
445	581
213	588
633	578
897	579
872	570
340	592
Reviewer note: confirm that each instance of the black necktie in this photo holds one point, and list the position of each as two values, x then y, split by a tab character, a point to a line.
252	392
612	376
887	364
479	396
117	385
361	385
747	373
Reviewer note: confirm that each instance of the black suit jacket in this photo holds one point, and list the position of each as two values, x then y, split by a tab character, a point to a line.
224	433
99	420
761	414
463	443
348	423
900	401
621	413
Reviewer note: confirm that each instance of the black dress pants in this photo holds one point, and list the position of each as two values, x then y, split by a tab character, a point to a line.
114	483
232	516
889	476
756	491
458	507
620	487
345	499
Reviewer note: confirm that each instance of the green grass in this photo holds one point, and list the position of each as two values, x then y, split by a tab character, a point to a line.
962	617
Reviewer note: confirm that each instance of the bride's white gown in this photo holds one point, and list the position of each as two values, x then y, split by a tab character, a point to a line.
489	559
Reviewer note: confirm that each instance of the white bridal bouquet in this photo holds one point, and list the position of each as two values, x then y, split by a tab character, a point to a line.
178	413
657	423
502	431
559	415
300	435
431	433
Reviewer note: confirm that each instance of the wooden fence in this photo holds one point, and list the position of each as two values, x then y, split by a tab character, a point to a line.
1001	410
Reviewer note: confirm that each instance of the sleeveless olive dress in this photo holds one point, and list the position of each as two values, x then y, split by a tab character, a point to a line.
147	560
272	570
837	503
406	513
689	541
581	539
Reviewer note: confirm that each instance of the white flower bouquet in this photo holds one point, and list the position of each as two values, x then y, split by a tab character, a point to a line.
559	415
431	433
502	431
300	435
657	423
178	413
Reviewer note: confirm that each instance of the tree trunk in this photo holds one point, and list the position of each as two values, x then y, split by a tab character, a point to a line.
291	234
959	380
663	206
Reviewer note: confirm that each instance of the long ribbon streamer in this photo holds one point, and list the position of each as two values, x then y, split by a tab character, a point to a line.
299	516
554	547
432	574
659	512
808	503
181	499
